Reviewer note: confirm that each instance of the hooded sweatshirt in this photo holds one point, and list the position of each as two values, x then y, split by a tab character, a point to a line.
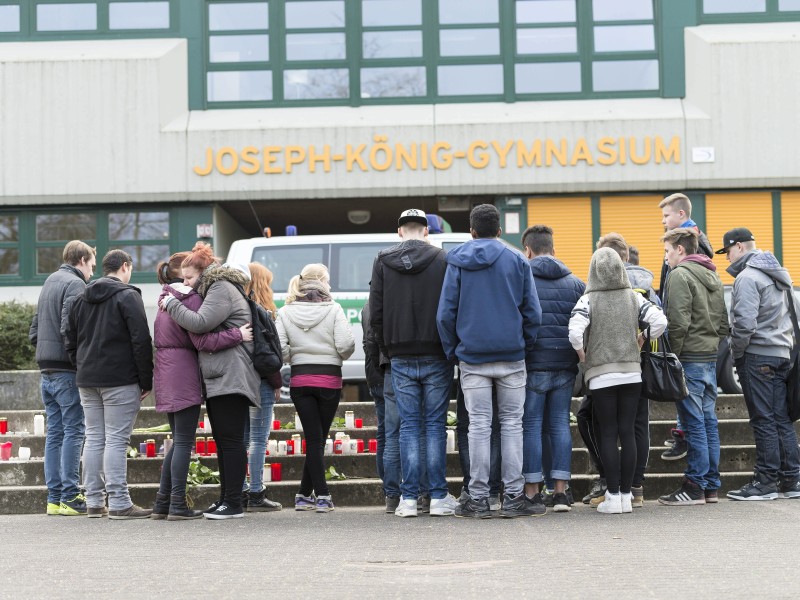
703	246
760	318
403	298
558	291
107	337
488	310
315	333
695	307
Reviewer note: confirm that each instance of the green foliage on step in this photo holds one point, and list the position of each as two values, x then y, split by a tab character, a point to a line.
199	474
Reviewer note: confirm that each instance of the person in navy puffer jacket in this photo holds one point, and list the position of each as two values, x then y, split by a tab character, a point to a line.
551	370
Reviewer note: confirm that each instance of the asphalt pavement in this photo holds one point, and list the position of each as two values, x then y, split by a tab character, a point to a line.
729	550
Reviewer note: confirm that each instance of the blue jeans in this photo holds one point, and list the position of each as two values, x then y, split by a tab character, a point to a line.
422	389
392	475
547	401
699	421
462	432
380	414
763	381
260	425
65	433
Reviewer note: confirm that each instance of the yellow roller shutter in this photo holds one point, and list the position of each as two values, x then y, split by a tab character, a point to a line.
638	220
571	221
727	211
790	220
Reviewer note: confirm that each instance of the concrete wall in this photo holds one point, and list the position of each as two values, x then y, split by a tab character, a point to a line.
93	121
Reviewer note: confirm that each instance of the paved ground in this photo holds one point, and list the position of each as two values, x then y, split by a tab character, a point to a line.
700	552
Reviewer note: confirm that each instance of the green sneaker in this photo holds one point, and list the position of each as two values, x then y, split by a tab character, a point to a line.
74	507
53	508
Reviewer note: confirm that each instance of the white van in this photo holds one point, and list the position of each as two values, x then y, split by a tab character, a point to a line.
349	259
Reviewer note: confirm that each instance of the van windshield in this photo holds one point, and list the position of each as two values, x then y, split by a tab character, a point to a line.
287	261
352	265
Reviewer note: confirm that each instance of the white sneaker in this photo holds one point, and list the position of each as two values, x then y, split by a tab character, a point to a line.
626	502
406	508
612	505
443	507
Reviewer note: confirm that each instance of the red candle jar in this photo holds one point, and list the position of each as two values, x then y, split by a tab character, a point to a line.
360	446
200	445
359	423
5	451
3	425
373	446
276	471
211	446
289	447
337	446
304	446
276	424
151	449
201	425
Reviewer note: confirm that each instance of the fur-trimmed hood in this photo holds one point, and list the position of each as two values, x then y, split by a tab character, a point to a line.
215	273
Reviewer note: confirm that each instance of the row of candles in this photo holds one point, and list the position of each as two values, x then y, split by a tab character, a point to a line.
38	425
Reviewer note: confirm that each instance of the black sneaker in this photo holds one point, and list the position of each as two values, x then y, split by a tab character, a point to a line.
477	509
213	507
755	490
258	501
224	511
789	489
687	495
521	506
547	497
679	449
598	489
561	503
570	499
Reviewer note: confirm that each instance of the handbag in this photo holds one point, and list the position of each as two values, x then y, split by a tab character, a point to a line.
793	379
662	373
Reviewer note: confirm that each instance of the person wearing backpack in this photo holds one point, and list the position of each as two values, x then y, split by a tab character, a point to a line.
315	338
231	381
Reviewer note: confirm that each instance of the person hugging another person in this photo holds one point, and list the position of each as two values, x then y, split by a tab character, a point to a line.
604	330
316	338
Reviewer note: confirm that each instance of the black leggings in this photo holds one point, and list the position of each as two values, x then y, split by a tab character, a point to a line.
316	407
176	462
615	408
229	415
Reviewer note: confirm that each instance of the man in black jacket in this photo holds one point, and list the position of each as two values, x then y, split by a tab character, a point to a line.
62	402
107	338
403	300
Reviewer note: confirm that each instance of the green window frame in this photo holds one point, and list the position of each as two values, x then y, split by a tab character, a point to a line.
10	253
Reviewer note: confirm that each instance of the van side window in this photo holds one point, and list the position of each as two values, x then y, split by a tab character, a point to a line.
287	261
447	246
353	265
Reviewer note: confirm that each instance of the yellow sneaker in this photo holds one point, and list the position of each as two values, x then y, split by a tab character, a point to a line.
74	507
53	508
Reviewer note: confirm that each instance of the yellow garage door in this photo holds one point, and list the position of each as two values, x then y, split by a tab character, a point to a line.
638	220
571	220
790	219
727	211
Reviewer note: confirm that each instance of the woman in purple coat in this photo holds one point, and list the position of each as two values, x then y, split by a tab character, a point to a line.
178	386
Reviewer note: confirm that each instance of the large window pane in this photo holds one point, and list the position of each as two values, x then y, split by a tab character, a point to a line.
238	48
620	38
66	17
138	226
392	44
452	12
233	86
393	82
314	14
146	258
625	75
138	15
463	80
469	42
9	228
376	13
547	40
309	84
65	227
788	4
315	46
239	15
287	262
546	11
734	6
9	19
48	260
9	261
622	10
548	78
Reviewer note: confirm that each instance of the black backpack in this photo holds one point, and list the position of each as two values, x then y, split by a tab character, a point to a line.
267	354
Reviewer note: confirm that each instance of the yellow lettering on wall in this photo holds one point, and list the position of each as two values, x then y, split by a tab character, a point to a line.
581	152
324	158
502	153
250	157
478	160
529	157
404	156
270	159
203	171
560	153
221	154
295	155
671	153
606	147
423	153
355	157
648	151
622	150
439	160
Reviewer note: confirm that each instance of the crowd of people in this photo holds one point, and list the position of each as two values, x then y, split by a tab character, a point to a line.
516	331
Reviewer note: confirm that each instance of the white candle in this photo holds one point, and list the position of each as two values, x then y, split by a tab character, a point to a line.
329	446
345	444
206	425
38	425
24	453
282	448
298	424
298	443
267	472
349	419
272	446
451	440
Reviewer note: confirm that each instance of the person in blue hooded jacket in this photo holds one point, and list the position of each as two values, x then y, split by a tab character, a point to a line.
488	319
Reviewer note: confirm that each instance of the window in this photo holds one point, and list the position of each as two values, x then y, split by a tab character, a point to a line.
237	16
622	10
789	5
393	82
288	261
546	11
625	75
469	42
9	19
470	80
9	245
315	15
315	46
622	38
392	44
549	40
354	266
310	84
138	15
54	230
238	48
711	7
383	13
453	12
548	78
143	235
66	17
239	86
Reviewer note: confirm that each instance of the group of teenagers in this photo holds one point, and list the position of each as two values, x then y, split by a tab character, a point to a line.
520	329
96	358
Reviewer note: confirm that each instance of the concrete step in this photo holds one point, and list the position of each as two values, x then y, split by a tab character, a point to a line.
352	492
